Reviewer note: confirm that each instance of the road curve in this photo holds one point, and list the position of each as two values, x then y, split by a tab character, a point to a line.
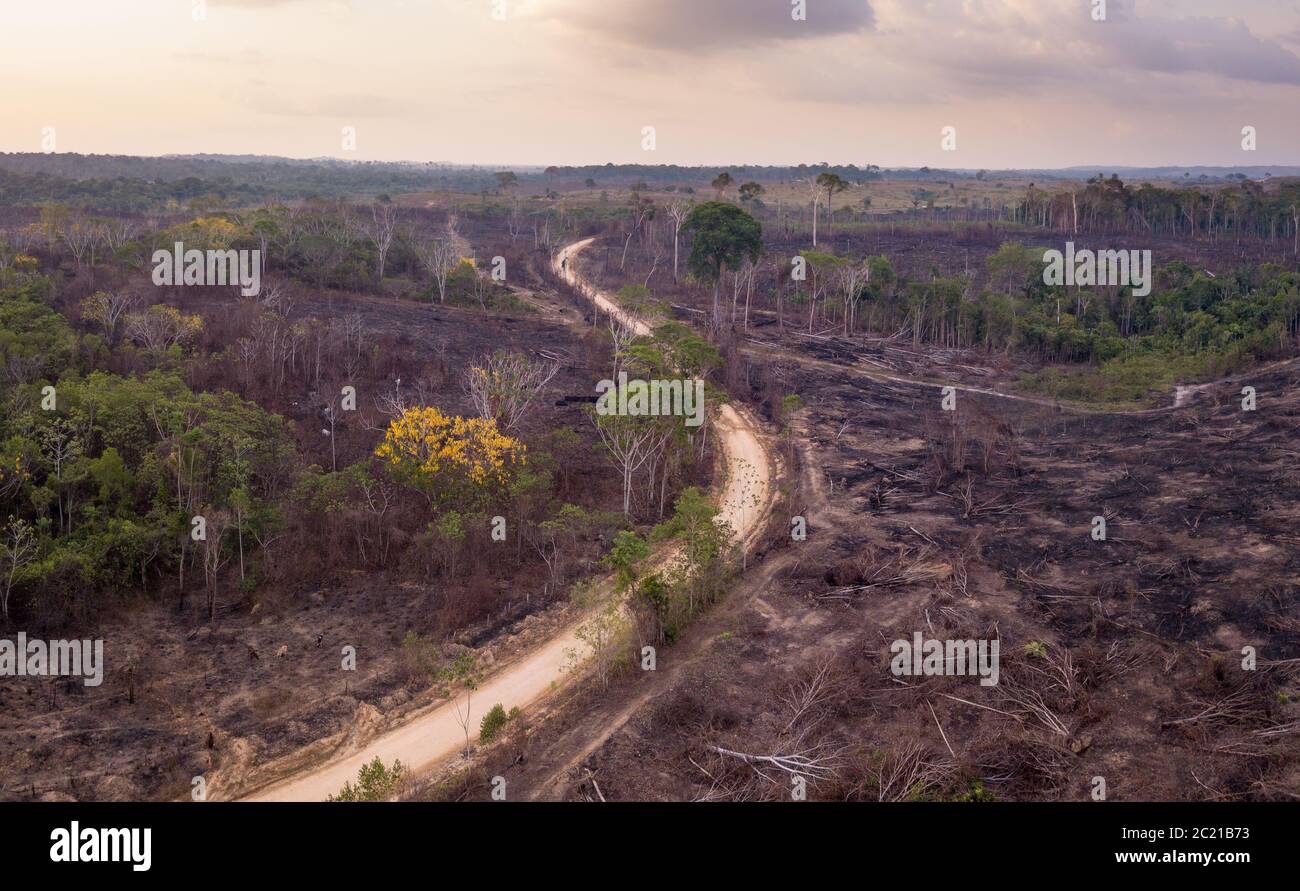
428	738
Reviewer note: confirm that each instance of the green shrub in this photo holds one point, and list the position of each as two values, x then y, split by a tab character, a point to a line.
375	782
493	721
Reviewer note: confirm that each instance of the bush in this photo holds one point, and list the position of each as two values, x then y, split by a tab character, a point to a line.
375	782
493	721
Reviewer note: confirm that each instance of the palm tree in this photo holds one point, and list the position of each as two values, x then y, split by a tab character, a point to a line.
832	184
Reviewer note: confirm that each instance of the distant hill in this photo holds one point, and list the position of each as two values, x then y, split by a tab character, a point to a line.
135	184
1168	173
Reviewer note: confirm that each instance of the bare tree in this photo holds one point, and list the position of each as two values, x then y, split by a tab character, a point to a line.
678	211
505	385
384	222
621	337
117	233
333	413
631	441
815	192
851	280
24	238
515	222
392	403
642	208
18	547
107	308
277	297
162	327
439	257
214	557
1295	219
80	236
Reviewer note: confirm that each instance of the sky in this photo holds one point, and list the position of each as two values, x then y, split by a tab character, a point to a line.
1023	83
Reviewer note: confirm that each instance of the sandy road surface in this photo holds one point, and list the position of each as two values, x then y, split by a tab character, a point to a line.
749	483
430	737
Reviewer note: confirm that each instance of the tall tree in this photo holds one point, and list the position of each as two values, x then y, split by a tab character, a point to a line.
832	184
18	547
439	257
678	211
506	180
722	183
722	236
504	386
384	222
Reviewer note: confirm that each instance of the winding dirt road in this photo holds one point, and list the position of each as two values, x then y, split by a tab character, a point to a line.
428	738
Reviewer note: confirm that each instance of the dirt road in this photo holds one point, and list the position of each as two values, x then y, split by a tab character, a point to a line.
428	738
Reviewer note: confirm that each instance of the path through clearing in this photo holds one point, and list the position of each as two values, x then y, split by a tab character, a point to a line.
438	733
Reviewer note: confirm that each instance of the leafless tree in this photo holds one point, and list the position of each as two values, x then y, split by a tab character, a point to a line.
463	718
393	403
852	278
24	238
333	413
515	222
621	337
80	235
18	547
161	327
815	192
108	308
439	257
678	211
383	223
277	297
117	233
631	441
505	386
214	556
642	208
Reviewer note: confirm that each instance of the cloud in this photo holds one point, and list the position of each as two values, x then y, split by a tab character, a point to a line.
1215	46
1022	41
700	25
948	51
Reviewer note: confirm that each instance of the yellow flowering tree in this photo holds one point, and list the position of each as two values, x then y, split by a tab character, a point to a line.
205	233
13	471
453	461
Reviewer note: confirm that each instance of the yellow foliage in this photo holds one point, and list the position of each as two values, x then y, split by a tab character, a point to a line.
17	472
206	233
429	446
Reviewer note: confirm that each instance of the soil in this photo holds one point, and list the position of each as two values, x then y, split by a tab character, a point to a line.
1126	664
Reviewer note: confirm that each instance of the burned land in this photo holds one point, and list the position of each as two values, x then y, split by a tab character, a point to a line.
1121	659
1161	663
